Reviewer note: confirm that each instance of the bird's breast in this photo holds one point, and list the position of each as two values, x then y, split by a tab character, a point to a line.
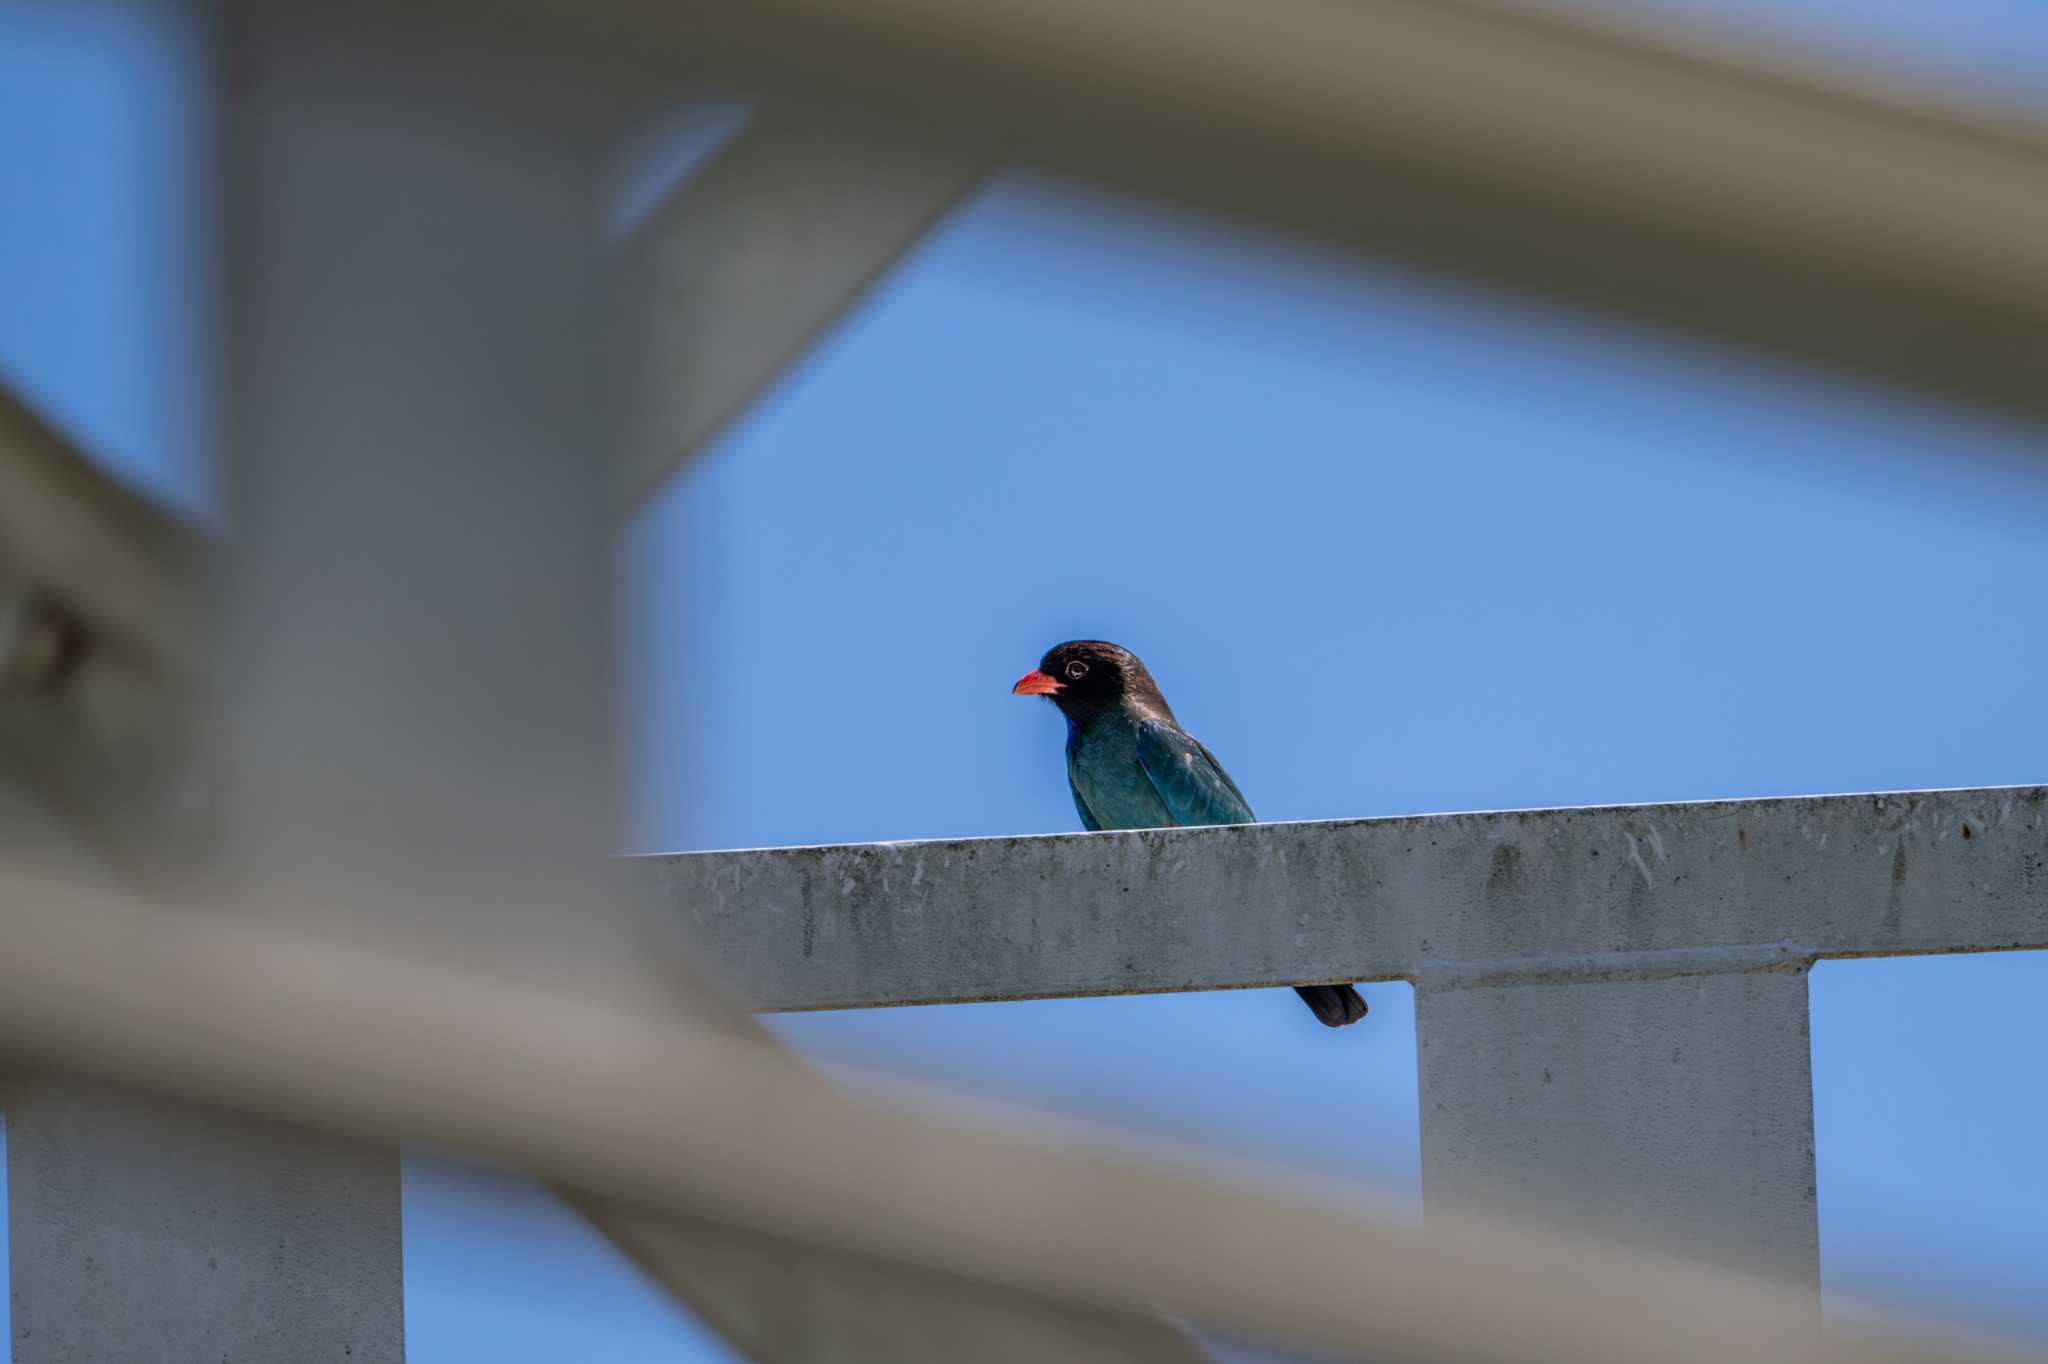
1103	762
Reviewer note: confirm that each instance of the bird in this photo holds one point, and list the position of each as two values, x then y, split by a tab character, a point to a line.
1131	766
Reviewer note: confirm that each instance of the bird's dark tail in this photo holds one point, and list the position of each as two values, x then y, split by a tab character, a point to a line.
1334	1005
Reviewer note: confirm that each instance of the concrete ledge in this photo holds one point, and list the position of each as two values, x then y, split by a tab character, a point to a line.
1619	891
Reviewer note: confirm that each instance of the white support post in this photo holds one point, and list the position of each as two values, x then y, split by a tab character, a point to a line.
1674	1114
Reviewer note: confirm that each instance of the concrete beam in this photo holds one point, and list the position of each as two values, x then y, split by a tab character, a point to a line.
1608	893
1610	1003
757	254
1585	163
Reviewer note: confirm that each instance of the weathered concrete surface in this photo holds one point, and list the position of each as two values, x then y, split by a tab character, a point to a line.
144	1232
1674	1114
1708	887
1611	1003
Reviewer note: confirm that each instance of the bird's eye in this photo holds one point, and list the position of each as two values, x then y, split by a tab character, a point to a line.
1076	670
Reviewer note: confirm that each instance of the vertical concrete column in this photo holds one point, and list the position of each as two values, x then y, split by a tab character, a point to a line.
1673	1113
414	669
141	1231
420	658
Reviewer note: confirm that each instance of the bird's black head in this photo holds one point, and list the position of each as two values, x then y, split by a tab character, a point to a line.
1085	677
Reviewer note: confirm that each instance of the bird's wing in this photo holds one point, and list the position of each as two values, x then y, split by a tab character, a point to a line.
1187	776
1088	820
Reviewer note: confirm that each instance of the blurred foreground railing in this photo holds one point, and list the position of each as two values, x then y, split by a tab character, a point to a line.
304	854
1806	216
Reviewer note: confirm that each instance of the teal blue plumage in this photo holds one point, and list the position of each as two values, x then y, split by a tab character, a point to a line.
1131	766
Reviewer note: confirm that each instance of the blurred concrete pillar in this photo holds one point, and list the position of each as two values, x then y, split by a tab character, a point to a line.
1674	1114
417	344
142	1231
413	687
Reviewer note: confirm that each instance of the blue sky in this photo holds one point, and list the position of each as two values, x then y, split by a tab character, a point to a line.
1508	557
1500	557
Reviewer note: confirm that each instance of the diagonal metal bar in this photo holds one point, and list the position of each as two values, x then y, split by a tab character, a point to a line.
1771	208
757	254
782	1301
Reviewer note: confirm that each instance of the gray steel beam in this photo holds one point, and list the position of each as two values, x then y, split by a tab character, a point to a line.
1611	1003
1585	164
757	254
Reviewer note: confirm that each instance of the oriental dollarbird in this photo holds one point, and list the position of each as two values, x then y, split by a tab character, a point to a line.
1132	766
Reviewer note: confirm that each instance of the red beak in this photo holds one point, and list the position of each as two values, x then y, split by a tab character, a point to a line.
1036	684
